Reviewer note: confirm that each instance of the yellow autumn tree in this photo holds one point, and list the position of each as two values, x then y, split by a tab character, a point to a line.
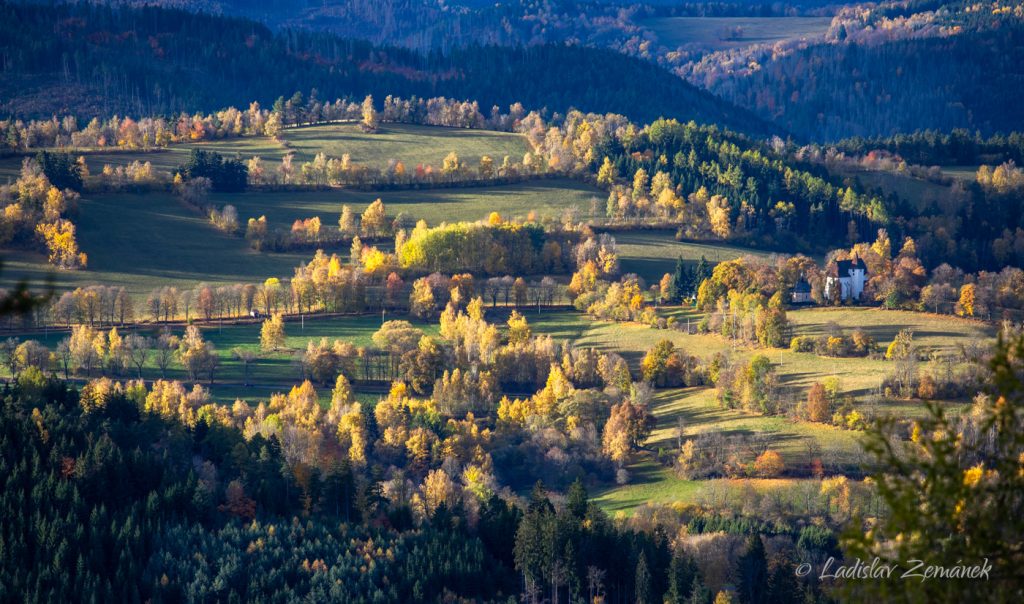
59	237
965	307
606	174
272	333
518	329
374	219
719	216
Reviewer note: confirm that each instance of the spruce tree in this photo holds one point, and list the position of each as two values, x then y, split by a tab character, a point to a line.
643	581
682	575
752	571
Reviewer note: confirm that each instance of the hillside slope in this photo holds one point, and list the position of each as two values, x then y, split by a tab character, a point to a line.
99	60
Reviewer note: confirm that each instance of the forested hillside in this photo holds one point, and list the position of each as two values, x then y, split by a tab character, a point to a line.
894	67
972	81
91	60
871	71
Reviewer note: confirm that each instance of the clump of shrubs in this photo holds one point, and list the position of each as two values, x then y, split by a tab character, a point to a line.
858	344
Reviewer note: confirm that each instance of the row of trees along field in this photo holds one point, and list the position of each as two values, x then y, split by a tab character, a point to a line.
153	131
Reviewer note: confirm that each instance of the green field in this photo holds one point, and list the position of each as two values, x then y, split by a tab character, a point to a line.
718	33
651	254
549	198
654	483
143	241
922	193
410	144
966	173
165	160
274	371
146	241
651	483
858	375
699	411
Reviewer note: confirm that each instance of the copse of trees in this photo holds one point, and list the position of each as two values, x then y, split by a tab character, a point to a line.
225	175
35	211
61	169
487	248
720	185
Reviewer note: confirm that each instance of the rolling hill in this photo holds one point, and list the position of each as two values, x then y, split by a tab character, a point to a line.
99	60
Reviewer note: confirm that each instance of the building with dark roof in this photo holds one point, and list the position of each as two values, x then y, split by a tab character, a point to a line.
802	292
848	276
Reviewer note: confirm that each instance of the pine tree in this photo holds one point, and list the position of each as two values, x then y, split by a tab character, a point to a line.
752	569
701	272
643	581
682	576
782	584
576	500
699	594
680	282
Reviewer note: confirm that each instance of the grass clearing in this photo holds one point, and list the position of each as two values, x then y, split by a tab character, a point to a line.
859	376
408	143
698	412
146	241
272	372
719	33
965	173
411	144
164	160
651	254
921	192
651	483
550	198
931	332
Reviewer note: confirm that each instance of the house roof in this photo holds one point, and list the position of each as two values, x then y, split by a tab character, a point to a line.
844	267
802	287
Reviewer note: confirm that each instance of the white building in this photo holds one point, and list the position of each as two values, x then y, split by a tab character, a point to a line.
802	292
849	276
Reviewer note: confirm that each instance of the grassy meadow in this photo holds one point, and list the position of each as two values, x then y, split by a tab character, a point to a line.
143	241
697	411
165	160
965	173
858	376
411	144
922	193
408	143
275	371
720	33
651	254
146	241
548	198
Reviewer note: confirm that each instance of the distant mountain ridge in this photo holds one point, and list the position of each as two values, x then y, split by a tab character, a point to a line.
98	60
